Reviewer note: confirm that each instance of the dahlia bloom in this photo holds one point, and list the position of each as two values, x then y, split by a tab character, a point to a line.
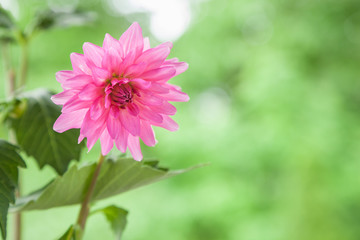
117	92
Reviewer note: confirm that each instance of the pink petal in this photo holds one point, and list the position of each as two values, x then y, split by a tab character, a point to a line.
179	66
149	115
147	134
159	74
146	43
134	147
133	109
110	42
165	108
77	82
154	57
111	60
171	60
128	60
135	70
175	96
93	54
75	104
113	124
63	76
81	137
172	86
115	111
69	120
158	88
100	75
132	39
107	101
79	65
106	142
148	99
140	83
97	109
168	44
122	140
63	97
90	92
168	124
92	129
131	123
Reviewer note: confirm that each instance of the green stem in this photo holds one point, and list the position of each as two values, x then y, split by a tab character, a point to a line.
22	81
22	78
8	69
85	206
18	216
11	87
23	63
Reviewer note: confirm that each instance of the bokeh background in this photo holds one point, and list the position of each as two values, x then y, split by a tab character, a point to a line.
274	109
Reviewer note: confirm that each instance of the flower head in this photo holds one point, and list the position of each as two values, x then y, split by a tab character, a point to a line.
117	92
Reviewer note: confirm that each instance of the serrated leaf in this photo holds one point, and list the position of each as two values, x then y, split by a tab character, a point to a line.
10	160
34	132
116	217
5	19
115	177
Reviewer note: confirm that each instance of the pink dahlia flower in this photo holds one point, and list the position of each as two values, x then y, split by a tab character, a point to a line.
117	92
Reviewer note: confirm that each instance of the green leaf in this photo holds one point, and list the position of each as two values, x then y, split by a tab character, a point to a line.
9	162
116	217
11	109
33	125
6	36
48	18
69	234
6	27
115	177
5	19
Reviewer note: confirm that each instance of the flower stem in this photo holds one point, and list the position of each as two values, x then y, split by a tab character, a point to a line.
85	206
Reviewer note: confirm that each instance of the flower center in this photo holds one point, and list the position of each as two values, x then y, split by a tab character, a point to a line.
121	94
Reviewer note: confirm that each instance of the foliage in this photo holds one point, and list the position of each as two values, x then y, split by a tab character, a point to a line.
116	217
69	234
6	26
116	176
5	19
48	19
274	89
10	160
31	116
33	126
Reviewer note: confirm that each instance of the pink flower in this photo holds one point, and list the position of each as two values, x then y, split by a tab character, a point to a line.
117	92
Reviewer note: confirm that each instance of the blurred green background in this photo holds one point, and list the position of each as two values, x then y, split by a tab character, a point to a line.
275	109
